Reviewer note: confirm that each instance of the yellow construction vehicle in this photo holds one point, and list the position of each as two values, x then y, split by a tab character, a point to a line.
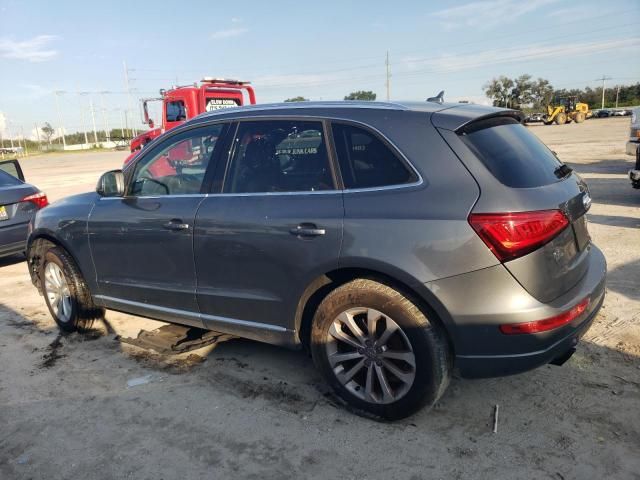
566	110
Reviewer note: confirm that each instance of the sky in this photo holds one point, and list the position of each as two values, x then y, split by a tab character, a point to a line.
320	50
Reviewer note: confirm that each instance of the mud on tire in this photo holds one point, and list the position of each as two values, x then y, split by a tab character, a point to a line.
351	323
80	312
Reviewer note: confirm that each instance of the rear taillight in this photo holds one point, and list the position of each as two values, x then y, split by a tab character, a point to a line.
38	199
512	235
546	324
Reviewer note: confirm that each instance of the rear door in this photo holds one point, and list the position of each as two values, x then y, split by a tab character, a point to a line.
518	173
142	245
275	227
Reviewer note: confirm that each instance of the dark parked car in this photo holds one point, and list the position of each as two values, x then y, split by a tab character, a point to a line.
399	242
19	201
602	114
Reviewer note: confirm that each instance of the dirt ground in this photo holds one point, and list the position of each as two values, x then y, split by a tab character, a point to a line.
247	410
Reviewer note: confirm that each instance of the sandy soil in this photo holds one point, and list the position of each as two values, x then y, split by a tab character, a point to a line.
247	410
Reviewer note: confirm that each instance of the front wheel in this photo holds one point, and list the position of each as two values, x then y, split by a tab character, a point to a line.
378	351
66	293
561	119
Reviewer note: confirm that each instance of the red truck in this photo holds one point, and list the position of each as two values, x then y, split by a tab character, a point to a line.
182	103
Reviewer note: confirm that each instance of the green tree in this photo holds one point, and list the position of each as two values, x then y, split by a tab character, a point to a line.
499	90
297	99
541	94
48	132
361	95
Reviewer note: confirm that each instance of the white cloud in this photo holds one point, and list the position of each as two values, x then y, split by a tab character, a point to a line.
487	13
454	63
228	33
36	91
32	50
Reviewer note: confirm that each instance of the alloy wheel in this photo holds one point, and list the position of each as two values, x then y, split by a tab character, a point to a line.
370	355
57	291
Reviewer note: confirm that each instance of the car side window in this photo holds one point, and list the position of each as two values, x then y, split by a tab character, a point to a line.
176	167
279	156
176	111
366	161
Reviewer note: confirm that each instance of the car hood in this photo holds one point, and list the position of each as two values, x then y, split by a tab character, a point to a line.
72	200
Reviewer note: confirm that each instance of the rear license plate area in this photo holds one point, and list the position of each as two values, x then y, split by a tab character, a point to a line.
581	232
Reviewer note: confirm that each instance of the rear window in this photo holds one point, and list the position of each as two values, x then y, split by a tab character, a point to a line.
7	180
513	155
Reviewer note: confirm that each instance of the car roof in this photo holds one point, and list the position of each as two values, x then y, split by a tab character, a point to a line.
449	115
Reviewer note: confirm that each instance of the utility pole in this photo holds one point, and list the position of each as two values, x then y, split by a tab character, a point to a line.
104	117
604	78
61	128
35	125
617	94
24	142
128	89
93	121
122	124
388	82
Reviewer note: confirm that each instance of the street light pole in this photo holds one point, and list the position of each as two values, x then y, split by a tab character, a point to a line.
61	128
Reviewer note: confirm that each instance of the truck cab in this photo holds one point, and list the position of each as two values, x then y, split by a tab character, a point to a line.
181	103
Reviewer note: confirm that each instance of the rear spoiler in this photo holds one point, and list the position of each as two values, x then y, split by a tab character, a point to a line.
462	118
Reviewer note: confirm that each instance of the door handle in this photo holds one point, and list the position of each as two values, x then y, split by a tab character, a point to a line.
307	230
176	225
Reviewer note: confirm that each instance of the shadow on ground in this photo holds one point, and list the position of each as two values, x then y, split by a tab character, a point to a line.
256	411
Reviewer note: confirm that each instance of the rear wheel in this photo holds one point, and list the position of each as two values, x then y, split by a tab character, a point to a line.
579	117
561	119
378	351
65	292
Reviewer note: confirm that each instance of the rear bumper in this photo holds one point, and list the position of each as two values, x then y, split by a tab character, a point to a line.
501	365
479	302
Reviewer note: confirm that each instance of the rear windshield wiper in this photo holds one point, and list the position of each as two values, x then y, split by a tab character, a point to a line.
563	170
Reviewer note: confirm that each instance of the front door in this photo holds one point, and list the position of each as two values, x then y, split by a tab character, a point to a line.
275	227
142	244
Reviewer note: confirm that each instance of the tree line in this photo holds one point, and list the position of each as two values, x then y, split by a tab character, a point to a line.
525	92
357	95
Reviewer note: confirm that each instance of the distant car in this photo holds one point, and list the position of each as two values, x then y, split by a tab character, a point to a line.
618	113
534	117
634	133
602	114
19	201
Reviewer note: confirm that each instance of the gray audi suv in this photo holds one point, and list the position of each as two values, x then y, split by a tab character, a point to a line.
399	243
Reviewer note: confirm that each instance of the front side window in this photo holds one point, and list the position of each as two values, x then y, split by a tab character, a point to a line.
177	168
279	156
176	111
366	161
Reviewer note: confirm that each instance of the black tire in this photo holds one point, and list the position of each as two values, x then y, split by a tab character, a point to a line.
561	118
580	117
433	360
83	312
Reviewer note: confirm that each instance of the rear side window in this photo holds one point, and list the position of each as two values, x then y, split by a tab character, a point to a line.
7	180
366	161
513	154
279	156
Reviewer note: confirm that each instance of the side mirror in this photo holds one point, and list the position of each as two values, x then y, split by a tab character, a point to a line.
111	184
